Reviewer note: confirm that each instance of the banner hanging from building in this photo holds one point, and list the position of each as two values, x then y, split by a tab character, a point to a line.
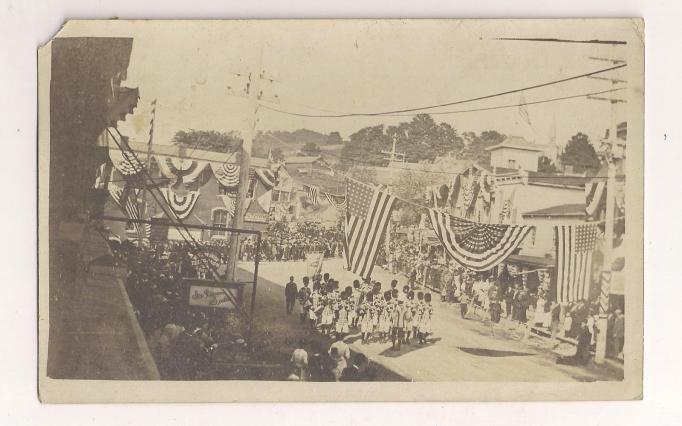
475	245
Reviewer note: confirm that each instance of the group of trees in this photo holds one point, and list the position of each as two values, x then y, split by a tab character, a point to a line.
208	140
580	154
420	139
476	145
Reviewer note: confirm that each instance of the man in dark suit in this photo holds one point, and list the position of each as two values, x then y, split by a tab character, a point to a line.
290	292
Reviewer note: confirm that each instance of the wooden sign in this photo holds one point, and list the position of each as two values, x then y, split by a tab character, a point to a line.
210	297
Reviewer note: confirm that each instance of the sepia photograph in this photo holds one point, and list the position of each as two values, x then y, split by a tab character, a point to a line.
406	210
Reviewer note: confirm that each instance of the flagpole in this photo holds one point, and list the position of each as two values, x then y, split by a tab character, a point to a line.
144	211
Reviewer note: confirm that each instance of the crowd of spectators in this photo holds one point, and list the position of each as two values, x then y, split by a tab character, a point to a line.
285	242
521	298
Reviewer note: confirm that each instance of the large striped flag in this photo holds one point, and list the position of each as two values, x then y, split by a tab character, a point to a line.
367	216
574	247
476	245
313	194
128	205
595	197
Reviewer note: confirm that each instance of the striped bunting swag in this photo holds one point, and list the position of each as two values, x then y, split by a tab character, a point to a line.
267	177
574	246
336	201
126	162
226	174
595	197
181	206
475	245
367	217
313	194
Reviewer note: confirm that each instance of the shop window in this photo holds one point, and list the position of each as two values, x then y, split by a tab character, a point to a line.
219	220
223	190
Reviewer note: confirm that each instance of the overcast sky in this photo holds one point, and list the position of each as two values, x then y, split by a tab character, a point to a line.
367	66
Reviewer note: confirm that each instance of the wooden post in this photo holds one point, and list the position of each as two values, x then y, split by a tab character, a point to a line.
605	277
253	89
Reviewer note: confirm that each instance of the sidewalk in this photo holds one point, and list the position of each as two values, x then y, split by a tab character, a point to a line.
94	333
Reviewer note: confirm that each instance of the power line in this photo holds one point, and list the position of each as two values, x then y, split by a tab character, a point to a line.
535	86
582	95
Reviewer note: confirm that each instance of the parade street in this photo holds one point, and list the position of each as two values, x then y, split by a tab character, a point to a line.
459	349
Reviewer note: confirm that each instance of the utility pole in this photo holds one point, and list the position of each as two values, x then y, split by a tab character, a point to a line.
253	93
394	156
605	276
608	150
145	206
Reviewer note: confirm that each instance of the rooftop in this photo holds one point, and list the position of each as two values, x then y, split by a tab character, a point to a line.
535	178
516	142
302	159
577	210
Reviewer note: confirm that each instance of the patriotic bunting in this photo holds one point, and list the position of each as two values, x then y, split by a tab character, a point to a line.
126	162
507	207
574	247
181	206
267	177
474	196
595	197
367	216
226	174
455	188
474	245
313	194
336	201
184	170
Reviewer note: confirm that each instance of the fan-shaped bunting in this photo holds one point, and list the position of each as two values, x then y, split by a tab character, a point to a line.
475	245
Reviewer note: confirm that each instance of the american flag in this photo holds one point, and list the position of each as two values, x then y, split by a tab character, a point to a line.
367	216
129	206
313	194
575	244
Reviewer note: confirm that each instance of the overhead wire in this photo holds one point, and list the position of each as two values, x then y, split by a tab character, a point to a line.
478	98
542	101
